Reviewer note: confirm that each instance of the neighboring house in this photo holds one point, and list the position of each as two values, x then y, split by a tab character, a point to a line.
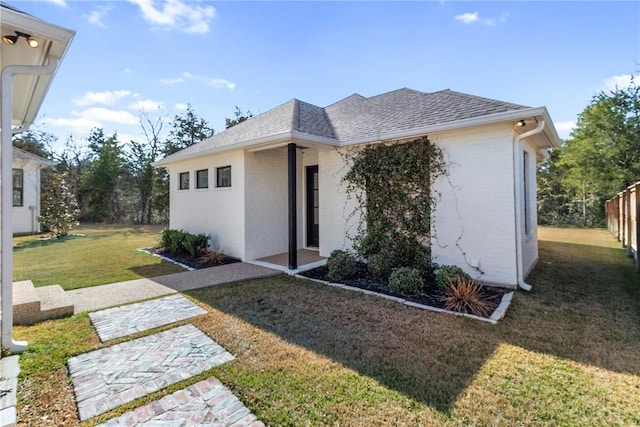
272	184
29	58
26	191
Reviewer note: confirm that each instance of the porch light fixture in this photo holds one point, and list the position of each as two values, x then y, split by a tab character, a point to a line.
10	39
521	123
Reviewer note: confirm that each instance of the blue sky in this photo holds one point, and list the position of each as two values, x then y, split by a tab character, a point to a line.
160	55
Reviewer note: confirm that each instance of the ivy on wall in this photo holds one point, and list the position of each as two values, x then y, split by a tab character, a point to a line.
392	184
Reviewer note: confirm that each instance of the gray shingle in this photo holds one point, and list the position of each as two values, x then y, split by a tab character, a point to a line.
356	117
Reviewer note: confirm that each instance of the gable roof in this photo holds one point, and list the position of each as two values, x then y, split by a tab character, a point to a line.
25	156
354	119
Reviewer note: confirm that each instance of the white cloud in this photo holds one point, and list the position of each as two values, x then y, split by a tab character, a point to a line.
126	137
61	3
176	14
80	125
96	16
99	114
474	17
468	17
564	128
215	82
146	105
105	98
621	82
181	106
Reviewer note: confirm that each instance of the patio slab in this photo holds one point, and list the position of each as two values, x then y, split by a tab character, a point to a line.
127	320
207	402
109	377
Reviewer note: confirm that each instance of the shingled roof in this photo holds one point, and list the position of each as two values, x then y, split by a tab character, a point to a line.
354	117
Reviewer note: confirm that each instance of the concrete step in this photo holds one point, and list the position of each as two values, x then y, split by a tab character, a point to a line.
54	302
26	303
32	305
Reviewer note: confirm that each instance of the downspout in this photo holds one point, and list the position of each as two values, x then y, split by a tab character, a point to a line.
6	157
517	148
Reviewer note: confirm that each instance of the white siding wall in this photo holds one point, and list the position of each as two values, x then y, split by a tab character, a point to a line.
215	211
474	222
530	242
25	219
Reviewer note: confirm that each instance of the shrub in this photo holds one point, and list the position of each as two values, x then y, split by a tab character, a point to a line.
380	265
195	244
406	280
179	241
450	274
465	296
341	265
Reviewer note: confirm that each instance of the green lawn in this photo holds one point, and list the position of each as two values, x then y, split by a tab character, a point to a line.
567	353
91	255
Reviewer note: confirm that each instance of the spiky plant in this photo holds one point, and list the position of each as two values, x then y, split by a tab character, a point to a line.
465	296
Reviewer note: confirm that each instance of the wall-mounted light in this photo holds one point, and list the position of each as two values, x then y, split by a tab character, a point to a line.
11	39
521	123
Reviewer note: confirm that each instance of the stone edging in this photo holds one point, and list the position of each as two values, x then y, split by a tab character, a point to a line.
498	313
147	251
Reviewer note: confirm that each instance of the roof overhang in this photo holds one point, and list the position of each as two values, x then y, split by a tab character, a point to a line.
29	90
547	139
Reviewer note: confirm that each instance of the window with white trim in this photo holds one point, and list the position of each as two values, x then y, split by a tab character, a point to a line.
183	178
223	176
202	178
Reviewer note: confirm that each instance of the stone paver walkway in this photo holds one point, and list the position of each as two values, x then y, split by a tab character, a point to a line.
207	402
130	319
109	377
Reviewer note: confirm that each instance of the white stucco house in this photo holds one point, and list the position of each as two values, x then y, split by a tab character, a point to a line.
31	52
26	190
272	184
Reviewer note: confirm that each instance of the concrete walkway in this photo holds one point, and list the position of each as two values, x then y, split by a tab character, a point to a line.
99	297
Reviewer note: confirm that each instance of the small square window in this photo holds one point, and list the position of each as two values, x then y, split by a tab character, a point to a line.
223	176
184	180
202	178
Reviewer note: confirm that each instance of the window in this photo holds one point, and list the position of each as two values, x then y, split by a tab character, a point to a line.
18	193
526	194
223	176
202	178
184	180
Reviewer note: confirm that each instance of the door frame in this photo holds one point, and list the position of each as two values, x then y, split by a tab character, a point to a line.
313	229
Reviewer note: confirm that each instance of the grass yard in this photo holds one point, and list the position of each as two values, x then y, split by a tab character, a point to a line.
568	353
104	254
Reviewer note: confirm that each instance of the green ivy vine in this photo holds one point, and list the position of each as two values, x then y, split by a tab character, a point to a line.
392	185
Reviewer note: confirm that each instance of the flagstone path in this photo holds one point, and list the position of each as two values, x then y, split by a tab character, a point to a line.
129	319
111	376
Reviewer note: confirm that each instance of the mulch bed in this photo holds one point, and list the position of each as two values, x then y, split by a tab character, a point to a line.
192	262
432	296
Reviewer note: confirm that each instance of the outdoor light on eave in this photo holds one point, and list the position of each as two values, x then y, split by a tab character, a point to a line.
521	123
10	39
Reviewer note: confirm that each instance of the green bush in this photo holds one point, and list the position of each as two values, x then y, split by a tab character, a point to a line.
195	244
448	274
341	265
180	241
380	265
406	280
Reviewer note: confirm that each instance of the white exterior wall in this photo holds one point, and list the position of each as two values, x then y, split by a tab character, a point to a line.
474	220
215	211
339	217
24	218
529	242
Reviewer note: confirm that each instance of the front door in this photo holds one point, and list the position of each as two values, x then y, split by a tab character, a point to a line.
313	210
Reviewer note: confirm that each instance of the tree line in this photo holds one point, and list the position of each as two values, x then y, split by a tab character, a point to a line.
109	180
600	159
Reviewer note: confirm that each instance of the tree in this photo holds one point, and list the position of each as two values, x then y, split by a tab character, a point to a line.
59	211
188	129
147	180
240	117
603	155
36	142
101	182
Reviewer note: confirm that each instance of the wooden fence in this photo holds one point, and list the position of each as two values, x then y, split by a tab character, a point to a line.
622	213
